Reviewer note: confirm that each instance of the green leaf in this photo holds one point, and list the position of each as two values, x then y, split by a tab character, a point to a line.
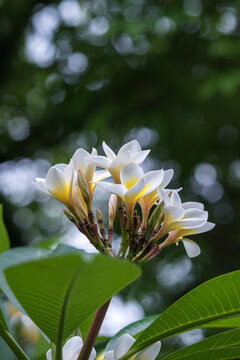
67	286
14	257
223	340
4	239
131	329
216	354
215	299
231	322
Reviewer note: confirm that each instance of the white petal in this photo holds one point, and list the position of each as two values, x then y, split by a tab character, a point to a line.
150	353
61	166
94	152
195	213
72	348
55	179
93	354
100	161
191	248
163	196
130	175
109	355
132	146
172	213
139	156
153	179
108	151
100	175
40	184
168	174
121	160
80	159
207	226
188	224
122	345
192	204
49	354
136	191
117	189
175	199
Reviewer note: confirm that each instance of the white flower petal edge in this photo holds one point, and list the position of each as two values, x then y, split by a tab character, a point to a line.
58	182
192	249
150	353
71	350
128	153
124	343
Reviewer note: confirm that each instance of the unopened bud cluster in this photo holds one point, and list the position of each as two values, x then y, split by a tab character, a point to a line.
162	221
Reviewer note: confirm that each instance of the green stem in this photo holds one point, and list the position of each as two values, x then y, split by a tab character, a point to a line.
7	337
93	332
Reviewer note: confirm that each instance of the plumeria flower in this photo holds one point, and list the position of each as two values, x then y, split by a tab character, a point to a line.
71	350
81	162
124	343
147	201
182	219
58	183
61	181
128	153
134	184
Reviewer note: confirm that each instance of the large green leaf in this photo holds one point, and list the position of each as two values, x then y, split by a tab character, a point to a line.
232	353
13	257
220	341
216	299
4	239
67	286
231	322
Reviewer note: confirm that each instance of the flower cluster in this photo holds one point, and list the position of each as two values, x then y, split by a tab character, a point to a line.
73	347
162	221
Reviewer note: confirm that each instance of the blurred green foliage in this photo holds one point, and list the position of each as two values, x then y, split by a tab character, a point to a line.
74	73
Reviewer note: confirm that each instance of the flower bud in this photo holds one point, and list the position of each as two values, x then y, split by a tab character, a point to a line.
78	203
112	207
84	188
69	215
99	216
156	217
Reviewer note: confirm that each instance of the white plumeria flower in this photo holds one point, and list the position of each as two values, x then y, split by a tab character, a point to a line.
61	181
149	200
81	162
183	219
71	350
124	343
134	184
128	153
58	183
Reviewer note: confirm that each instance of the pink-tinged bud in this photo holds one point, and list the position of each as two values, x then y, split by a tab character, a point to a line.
112	207
99	216
83	187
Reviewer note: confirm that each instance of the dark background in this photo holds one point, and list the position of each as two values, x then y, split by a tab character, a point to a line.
167	73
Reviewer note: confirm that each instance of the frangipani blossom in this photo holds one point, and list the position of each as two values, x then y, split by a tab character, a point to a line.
81	161
183	219
124	343
59	181
134	184
71	350
149	200
128	153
